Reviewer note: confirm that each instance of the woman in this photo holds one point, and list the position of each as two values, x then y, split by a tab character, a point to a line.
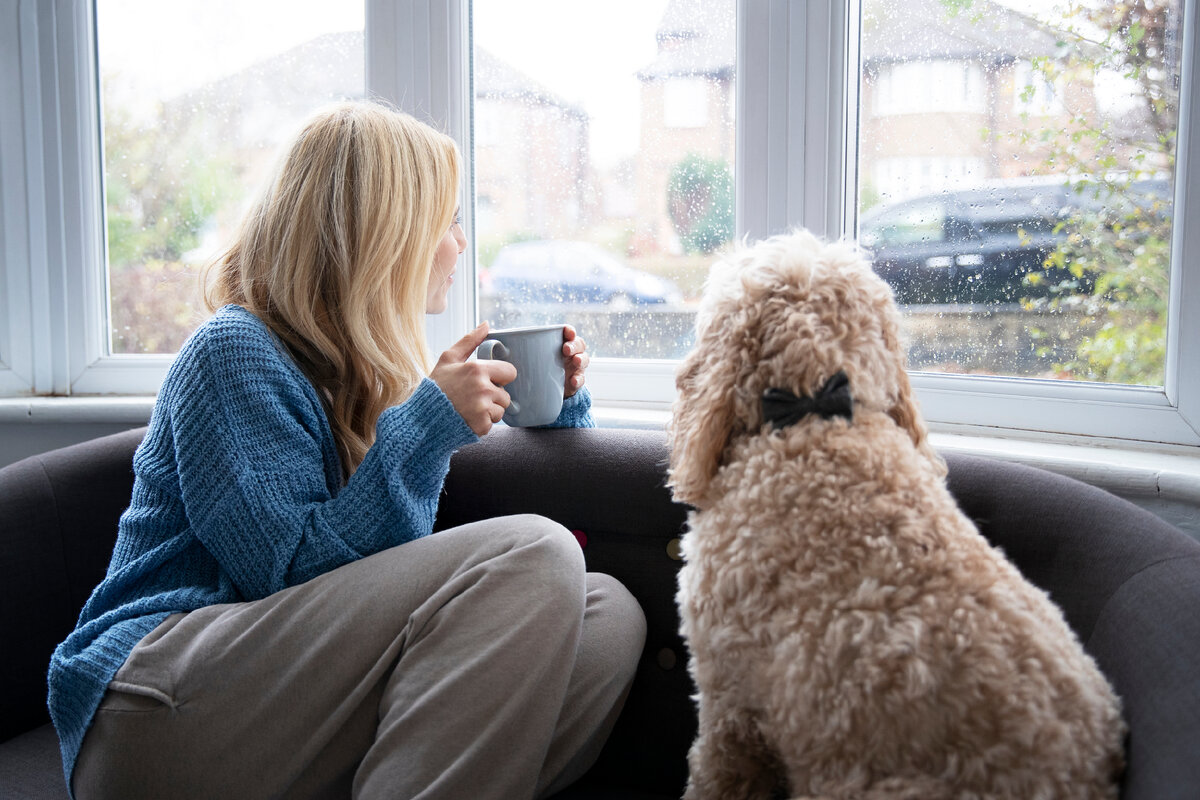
276	620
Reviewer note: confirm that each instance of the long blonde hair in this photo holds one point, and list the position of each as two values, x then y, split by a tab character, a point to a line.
335	257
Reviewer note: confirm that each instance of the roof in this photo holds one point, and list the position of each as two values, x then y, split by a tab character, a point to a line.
498	80
695	37
926	29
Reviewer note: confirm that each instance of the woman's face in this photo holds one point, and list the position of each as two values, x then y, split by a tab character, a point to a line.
453	243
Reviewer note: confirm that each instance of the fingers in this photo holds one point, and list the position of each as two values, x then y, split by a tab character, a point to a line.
498	372
462	349
475	388
483	405
577	359
573	344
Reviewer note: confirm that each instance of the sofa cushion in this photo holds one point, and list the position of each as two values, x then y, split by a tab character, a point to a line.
1128	584
31	767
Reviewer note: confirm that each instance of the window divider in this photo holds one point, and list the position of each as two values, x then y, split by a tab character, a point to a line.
418	59
1182	378
18	84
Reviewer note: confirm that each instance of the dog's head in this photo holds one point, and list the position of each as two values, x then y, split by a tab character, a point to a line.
789	313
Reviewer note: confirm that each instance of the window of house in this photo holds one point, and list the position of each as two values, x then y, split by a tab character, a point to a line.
608	203
929	86
895	177
196	98
1035	90
685	102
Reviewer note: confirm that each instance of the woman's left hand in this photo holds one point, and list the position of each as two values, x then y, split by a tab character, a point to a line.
576	360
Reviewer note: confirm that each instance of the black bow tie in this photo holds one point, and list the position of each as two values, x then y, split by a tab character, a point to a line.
782	408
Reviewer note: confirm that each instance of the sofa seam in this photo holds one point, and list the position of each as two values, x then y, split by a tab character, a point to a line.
1129	579
58	529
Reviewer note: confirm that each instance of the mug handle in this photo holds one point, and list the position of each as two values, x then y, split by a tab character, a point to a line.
494	349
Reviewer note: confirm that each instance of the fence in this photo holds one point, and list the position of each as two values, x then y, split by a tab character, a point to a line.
985	339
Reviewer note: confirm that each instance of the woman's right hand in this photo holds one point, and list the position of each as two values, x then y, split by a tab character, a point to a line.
475	388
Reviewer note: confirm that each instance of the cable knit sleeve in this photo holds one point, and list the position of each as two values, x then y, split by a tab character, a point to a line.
258	472
576	411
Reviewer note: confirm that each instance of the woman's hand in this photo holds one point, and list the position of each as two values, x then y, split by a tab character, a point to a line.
576	360
475	388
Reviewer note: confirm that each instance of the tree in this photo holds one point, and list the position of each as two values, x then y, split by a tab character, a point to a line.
1116	243
163	185
700	202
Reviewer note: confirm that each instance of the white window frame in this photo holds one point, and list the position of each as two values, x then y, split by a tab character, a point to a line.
797	99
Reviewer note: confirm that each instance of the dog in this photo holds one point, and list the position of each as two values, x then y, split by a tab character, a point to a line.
851	634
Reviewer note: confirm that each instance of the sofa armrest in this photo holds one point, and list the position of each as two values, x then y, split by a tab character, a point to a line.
58	523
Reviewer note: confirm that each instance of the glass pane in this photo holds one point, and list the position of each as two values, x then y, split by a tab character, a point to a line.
1016	170
603	165
196	97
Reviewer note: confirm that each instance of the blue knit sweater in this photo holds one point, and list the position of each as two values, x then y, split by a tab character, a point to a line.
238	494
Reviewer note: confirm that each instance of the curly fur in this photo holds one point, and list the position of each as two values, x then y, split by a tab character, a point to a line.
851	634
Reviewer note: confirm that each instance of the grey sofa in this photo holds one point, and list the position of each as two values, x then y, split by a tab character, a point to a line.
1128	582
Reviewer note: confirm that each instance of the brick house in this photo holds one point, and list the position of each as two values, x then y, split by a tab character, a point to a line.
687	107
951	99
945	99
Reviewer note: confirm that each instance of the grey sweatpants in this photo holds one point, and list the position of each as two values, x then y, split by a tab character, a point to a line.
480	662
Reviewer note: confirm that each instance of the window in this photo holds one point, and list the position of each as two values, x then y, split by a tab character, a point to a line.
1052	259
685	102
920	222
899	176
927	86
1035	92
615	184
820	125
196	98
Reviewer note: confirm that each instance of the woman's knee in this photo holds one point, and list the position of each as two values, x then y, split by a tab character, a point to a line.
617	621
542	561
550	545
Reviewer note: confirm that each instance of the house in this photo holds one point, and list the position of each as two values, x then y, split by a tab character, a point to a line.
688	96
946	98
949	99
532	172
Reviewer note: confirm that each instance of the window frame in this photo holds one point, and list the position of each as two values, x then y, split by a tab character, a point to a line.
797	99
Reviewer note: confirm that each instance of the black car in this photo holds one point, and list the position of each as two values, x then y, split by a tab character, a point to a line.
979	245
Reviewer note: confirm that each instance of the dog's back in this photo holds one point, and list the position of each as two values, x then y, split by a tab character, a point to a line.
835	593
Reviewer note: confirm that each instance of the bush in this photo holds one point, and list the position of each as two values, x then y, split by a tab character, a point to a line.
700	203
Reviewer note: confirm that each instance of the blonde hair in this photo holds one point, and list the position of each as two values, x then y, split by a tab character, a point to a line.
335	257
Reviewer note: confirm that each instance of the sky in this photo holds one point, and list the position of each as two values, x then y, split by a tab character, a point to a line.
177	45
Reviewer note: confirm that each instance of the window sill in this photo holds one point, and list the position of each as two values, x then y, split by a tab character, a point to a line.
120	410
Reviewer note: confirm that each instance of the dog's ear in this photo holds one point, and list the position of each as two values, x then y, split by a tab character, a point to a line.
904	411
703	417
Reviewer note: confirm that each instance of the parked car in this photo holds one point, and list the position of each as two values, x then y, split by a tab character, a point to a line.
559	271
978	245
